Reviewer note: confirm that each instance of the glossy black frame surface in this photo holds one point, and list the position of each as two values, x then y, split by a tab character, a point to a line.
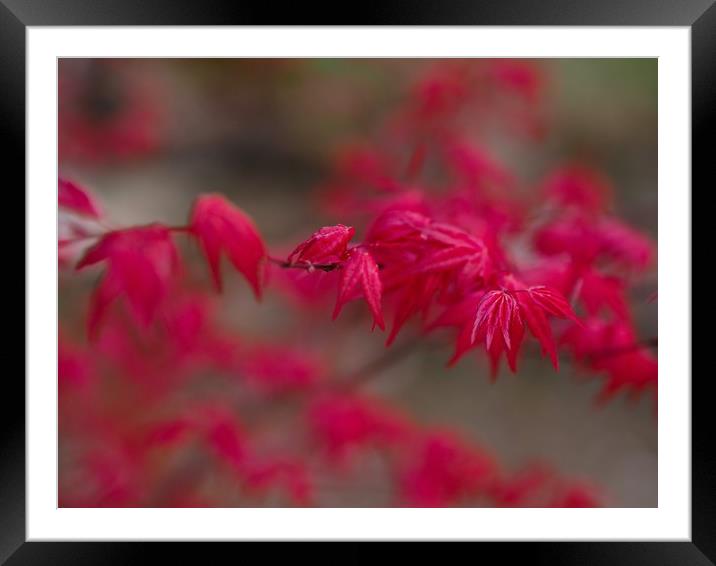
16	15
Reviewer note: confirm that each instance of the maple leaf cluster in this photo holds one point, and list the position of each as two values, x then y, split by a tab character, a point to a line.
442	247
143	264
431	231
435	467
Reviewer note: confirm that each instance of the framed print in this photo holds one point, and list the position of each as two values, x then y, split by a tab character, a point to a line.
409	278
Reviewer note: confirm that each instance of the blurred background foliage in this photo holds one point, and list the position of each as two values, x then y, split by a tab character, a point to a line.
265	132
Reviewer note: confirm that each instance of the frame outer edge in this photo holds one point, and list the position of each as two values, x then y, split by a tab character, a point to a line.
12	431
703	124
12	113
387	12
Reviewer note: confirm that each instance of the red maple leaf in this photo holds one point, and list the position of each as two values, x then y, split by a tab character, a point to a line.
342	422
441	469
499	324
535	304
440	94
288	474
575	494
613	348
475	166
413	298
361	270
397	227
523	78
226	437
140	265
327	245
625	244
597	291
276	368
448	258
426	261
76	199
523	488
74	365
502	316
220	227
587	241
462	316
579	187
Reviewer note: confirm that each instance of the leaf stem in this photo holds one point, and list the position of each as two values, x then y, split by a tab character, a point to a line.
304	265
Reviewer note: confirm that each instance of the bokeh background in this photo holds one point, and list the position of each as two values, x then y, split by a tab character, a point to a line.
264	133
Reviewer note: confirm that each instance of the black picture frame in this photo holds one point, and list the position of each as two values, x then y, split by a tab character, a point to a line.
16	15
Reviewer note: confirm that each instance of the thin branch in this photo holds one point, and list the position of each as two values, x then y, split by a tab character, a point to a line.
376	366
304	265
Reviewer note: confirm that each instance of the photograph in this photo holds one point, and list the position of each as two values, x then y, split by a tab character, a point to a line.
357	282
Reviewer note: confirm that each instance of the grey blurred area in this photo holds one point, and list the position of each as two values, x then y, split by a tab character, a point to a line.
263	133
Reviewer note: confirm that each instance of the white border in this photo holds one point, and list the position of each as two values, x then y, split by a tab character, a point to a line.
671	520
